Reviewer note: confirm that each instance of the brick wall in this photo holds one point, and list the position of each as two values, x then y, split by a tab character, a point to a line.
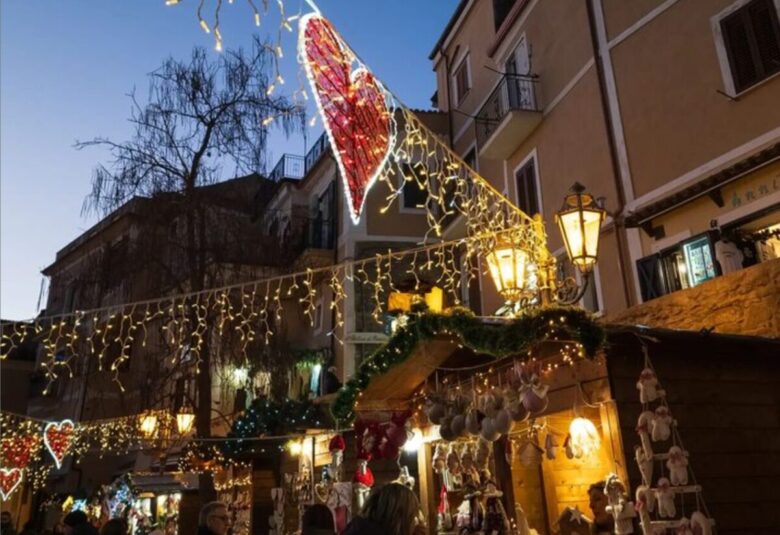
744	302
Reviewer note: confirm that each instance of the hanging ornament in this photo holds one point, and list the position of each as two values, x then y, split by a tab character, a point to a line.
336	447
700	524
353	106
664	496
10	478
678	466
549	446
17	451
648	386
58	437
621	509
662	423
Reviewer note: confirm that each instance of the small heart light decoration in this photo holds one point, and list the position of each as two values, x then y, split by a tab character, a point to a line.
18	451
10	478
58	437
353	106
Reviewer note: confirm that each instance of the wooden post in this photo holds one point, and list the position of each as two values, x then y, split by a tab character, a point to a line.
503	477
426	481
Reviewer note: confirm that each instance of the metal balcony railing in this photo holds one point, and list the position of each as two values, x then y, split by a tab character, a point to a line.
288	166
320	147
515	92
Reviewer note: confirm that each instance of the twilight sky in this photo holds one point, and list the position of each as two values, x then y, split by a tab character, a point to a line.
65	70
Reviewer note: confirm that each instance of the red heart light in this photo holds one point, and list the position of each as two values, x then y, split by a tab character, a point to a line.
353	106
58	437
9	480
17	451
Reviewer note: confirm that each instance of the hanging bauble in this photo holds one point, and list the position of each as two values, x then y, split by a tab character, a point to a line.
489	431
458	425
473	421
503	421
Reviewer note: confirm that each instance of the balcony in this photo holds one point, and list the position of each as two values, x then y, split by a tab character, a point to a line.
289	166
509	115
320	147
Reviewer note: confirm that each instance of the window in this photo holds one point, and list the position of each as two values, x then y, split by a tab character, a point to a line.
471	158
687	264
501	9
751	37
527	188
414	196
462	80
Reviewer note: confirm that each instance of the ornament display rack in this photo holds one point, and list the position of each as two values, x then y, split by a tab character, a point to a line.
674	467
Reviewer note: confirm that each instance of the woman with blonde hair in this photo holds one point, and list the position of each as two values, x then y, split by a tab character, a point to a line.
392	510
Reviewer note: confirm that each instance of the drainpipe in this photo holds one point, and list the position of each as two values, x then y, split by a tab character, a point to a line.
618	218
447	66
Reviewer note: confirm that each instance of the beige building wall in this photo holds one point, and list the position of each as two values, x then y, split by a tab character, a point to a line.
570	142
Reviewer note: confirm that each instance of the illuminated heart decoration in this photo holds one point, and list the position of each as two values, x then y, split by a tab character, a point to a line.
58	436
17	451
353	107
9	480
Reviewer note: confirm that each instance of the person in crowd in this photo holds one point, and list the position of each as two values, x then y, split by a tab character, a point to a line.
391	510
7	523
77	523
317	520
214	519
115	526
602	521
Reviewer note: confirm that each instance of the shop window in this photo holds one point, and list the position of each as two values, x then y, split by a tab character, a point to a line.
685	265
528	188
751	37
462	80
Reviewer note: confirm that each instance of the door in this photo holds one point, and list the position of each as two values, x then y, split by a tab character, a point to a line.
518	69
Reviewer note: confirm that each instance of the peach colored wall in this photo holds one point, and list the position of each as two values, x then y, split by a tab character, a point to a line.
620	14
667	78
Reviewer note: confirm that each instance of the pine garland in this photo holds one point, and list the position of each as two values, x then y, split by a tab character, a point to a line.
497	340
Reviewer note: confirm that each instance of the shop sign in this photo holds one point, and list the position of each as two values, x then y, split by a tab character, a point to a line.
366	338
756	191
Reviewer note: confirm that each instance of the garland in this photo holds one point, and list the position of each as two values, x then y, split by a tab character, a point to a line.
308	358
496	340
272	418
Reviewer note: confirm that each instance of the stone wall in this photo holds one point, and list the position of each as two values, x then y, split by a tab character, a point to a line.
745	302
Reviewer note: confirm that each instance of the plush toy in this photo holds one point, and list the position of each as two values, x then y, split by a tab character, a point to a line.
648	386
645	504
645	465
471	514
643	430
621	509
664	495
661	424
495	521
678	466
364	480
700	524
443	516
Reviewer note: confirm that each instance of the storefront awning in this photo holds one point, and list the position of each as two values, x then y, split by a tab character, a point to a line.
708	186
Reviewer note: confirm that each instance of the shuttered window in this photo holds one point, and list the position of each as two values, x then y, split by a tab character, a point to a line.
462	80
527	193
752	38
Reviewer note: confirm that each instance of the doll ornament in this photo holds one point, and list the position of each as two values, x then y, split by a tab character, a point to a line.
664	495
645	465
621	509
648	387
364	480
678	466
661	424
336	447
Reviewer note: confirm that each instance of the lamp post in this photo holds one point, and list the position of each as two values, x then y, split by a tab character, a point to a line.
524	275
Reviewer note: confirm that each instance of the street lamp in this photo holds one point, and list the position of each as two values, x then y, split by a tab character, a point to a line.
508	264
579	221
184	420
149	424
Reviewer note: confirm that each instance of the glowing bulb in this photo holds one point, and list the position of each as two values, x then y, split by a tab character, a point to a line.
413	444
149	424
240	376
295	447
204	26
585	440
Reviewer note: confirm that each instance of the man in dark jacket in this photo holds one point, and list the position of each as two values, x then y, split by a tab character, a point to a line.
77	523
214	519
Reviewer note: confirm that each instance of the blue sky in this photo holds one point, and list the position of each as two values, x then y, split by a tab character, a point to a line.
65	70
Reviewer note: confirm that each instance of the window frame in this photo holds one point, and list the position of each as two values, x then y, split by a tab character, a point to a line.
464	63
532	156
402	208
723	50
